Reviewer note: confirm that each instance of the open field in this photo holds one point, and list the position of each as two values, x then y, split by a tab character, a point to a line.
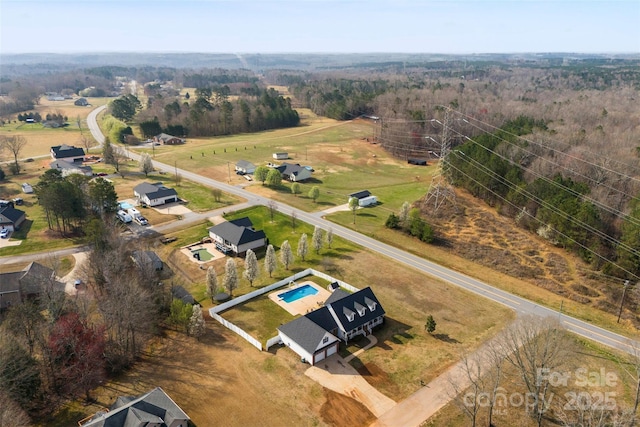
41	139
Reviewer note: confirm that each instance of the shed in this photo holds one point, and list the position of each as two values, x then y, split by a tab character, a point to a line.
419	162
281	156
367	201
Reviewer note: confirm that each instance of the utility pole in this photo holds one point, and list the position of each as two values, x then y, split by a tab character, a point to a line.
175	168
229	171
624	291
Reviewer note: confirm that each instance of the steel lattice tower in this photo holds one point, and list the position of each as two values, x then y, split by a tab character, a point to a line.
440	190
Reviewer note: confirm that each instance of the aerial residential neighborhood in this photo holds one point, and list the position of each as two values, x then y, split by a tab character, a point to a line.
406	232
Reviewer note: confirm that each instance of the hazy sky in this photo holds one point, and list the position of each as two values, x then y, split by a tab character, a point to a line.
266	26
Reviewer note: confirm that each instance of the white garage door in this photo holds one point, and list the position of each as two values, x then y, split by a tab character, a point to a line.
318	357
332	350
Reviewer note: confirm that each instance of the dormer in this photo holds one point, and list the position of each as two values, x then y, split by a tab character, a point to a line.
350	315
359	308
370	303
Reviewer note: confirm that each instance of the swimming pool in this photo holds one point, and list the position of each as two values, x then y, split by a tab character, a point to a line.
298	293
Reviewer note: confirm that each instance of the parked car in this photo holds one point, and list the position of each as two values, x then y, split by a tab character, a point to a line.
141	220
4	233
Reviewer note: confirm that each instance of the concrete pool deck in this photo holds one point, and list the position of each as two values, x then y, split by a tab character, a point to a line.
305	304
210	247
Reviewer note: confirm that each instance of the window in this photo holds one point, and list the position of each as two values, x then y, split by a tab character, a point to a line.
325	340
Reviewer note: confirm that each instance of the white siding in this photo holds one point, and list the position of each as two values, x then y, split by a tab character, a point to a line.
366	201
296	348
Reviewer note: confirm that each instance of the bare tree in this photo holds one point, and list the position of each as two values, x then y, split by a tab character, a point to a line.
14	144
294	217
217	194
536	348
273	208
251	269
212	283
317	239
270	262
230	281
11	414
303	246
353	206
86	143
470	382
286	255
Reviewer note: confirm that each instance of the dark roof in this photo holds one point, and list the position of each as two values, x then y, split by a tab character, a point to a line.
289	168
360	194
352	303
10	282
34	276
166	137
306	333
323	318
178	292
146	257
10	214
154	191
64	151
152	407
237	234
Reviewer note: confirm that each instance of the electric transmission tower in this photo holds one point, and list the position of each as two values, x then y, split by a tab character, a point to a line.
440	190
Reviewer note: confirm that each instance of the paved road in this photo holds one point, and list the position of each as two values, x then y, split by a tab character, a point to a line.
520	305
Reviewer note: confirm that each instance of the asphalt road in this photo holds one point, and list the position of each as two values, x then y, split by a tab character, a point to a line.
520	305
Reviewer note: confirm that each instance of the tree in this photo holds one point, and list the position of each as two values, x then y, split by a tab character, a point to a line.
286	255
107	151
274	178
180	314
353	206
77	351
14	144
273	208
230	281
146	164
11	414
316	239
314	193
430	325
25	322
294	217
102	196
86	143
303	246
392	221
403	216
251	269
295	188
19	373
197	325
217	194
536	348
270	262
261	172
329	237
212	283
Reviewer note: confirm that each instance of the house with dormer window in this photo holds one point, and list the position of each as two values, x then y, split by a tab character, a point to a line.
317	334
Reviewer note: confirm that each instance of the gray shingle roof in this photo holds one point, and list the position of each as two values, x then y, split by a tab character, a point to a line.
237	232
154	191
306	333
155	406
245	164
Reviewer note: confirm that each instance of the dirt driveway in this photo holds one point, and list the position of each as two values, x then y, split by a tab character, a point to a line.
336	374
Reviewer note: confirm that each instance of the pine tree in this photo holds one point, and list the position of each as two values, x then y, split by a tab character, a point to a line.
430	325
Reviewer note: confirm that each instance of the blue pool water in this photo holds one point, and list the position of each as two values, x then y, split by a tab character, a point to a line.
296	294
125	205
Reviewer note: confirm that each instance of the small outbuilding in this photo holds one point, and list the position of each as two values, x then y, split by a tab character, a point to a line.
281	156
245	166
418	162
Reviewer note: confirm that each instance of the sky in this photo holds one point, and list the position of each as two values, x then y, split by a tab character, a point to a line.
320	26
